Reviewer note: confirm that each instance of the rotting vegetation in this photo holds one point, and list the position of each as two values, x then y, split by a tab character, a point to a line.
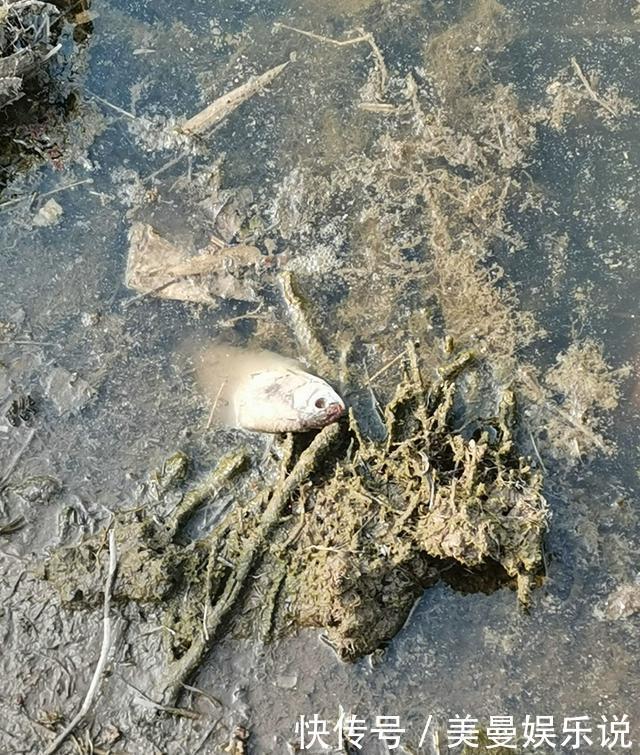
347	536
353	529
35	97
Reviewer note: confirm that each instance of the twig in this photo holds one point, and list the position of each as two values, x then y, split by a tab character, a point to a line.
8	597
51	52
378	107
219	109
535	448
104	652
205	631
386	366
322	38
590	90
183	712
365	36
162	168
111	105
206	736
34	196
17	200
14	462
152	291
253	315
215	404
65	187
215	703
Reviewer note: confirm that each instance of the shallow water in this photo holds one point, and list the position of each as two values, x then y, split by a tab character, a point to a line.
62	287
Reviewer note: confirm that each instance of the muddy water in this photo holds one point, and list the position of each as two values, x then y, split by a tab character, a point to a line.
113	397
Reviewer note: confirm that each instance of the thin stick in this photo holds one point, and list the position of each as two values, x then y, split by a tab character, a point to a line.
33	196
104	652
16	200
378	107
322	38
253	315
164	167
204	621
535	448
14	462
219	109
590	89
215	404
215	703
151	292
51	52
206	736
66	186
386	366
111	105
364	37
183	712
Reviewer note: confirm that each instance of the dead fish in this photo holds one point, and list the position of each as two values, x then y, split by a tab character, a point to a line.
265	392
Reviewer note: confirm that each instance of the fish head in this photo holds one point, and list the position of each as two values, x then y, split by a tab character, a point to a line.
316	403
286	399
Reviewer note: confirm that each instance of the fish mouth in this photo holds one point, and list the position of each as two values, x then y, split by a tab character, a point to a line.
332	412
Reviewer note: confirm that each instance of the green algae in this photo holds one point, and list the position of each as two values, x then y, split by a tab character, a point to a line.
377	532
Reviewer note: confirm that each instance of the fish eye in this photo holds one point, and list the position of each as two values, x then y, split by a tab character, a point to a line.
321	403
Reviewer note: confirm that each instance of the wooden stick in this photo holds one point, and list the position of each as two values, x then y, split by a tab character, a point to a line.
365	36
225	105
215	404
386	366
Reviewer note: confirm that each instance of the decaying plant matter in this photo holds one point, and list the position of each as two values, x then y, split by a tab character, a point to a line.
350	553
37	81
27	42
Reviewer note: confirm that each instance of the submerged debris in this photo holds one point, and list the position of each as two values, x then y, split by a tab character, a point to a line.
49	214
219	109
28	39
573	90
36	83
68	391
155	267
623	602
568	412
